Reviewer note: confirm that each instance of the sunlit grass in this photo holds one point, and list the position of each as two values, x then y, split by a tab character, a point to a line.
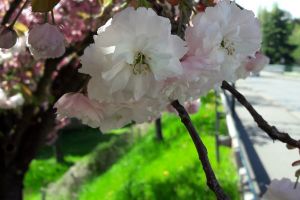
167	170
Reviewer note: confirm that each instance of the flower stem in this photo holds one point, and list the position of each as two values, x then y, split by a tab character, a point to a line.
52	16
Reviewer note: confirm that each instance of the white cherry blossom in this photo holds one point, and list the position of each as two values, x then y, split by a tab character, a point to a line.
133	53
221	38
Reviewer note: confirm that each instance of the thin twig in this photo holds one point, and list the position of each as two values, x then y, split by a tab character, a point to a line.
211	179
272	131
18	14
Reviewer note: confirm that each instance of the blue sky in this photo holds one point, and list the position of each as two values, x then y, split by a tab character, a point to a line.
292	6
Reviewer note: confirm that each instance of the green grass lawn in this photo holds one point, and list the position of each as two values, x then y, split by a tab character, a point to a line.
150	169
167	170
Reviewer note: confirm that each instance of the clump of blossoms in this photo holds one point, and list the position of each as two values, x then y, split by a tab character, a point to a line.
128	70
70	22
283	189
219	40
137	67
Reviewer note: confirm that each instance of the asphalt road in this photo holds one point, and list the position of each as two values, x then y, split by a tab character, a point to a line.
281	90
277	98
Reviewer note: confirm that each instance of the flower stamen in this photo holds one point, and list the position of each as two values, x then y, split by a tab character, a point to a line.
140	65
228	46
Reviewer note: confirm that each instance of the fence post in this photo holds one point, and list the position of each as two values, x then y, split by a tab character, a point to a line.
217	127
158	130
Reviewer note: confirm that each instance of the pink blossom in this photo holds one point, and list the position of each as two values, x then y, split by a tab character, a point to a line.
8	37
191	106
256	64
171	109
81	107
282	190
252	65
46	41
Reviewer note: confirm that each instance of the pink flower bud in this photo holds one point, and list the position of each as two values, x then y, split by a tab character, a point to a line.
46	41
192	107
8	37
171	109
258	63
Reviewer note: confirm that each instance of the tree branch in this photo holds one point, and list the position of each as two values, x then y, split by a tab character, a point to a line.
211	179
272	131
13	6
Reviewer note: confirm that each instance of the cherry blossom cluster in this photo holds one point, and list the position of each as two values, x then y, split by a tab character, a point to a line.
45	37
68	23
137	67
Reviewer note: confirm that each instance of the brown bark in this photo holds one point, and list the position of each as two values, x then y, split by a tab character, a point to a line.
211	179
271	131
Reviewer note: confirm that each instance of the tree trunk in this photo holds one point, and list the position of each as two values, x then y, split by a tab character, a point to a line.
18	150
11	184
59	155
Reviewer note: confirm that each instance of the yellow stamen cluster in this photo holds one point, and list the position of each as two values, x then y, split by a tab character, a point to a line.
228	46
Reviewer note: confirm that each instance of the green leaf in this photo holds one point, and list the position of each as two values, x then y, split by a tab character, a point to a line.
20	28
297	174
144	3
43	5
105	3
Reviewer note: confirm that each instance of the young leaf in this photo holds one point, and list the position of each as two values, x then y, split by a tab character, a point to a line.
20	28
43	5
296	163
105	3
290	147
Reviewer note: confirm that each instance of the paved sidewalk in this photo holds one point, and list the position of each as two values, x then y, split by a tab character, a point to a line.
277	99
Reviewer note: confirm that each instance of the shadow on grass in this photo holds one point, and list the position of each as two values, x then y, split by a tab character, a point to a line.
76	142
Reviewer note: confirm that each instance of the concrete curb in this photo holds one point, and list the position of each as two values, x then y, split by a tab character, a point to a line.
246	184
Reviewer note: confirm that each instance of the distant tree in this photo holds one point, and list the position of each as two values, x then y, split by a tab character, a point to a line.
295	39
277	26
